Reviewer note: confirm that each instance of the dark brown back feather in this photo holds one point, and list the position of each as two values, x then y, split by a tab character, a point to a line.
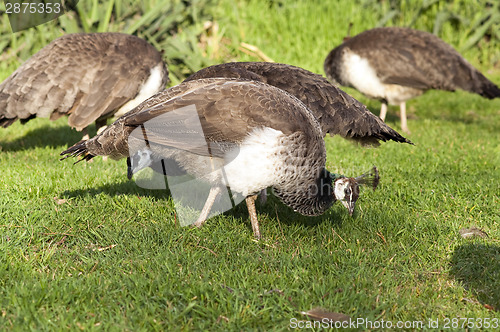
228	110
337	112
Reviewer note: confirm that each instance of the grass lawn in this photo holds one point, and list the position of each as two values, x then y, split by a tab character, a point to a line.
81	247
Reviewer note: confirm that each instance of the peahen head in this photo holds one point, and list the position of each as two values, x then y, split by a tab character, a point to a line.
346	190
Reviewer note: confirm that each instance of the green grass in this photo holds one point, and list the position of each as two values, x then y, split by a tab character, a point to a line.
83	248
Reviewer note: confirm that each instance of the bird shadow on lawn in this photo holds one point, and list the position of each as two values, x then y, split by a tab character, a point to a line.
273	208
44	136
286	216
477	267
117	189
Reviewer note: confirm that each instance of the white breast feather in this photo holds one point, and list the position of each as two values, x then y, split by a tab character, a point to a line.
152	85
362	77
256	165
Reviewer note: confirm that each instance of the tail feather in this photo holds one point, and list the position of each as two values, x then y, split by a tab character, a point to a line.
489	90
370	178
5	122
77	150
476	82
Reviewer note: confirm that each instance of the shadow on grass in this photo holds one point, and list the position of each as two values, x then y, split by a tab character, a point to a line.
273	207
477	267
43	136
43	133
117	189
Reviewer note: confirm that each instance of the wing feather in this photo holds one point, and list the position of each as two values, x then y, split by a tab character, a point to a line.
85	75
226	110
337	112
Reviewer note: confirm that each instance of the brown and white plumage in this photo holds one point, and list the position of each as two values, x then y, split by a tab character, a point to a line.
337	112
86	76
260	136
395	64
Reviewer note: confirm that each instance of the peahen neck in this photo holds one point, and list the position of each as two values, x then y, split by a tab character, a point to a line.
310	199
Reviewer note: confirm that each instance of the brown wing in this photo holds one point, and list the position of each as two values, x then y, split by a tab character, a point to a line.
418	59
227	111
85	75
337	112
